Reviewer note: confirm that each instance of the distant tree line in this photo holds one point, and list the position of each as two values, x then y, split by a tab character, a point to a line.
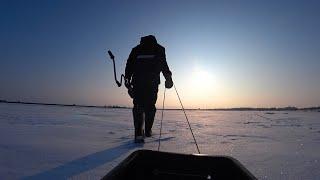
289	108
57	104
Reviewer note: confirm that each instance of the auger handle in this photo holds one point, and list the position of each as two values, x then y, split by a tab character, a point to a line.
115	71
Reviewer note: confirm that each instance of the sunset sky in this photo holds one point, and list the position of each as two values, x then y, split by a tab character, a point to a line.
222	53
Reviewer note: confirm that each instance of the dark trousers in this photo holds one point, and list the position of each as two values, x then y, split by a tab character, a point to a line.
144	109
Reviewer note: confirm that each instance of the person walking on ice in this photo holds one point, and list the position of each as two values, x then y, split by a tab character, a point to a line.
142	78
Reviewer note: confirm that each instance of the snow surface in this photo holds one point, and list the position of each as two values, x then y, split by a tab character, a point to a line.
50	142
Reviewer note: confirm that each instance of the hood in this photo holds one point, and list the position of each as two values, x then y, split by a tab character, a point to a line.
148	40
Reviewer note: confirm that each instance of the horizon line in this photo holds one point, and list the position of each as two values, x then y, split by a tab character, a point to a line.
287	108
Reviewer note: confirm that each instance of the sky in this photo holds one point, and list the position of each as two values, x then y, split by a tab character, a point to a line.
222	53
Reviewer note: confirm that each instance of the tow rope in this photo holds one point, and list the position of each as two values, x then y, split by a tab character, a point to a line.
164	97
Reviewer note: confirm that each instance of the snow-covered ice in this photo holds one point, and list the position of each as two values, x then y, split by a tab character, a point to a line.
43	142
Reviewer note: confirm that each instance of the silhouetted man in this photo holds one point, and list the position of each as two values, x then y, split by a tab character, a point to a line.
142	78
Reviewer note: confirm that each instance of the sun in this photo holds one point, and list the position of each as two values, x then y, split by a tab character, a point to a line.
200	79
200	90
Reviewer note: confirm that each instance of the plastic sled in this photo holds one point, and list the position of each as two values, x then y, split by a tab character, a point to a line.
147	164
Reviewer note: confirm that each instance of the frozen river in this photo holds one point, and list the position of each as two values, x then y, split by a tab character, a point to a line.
41	142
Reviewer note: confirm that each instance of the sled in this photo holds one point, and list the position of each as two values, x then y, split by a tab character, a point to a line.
148	164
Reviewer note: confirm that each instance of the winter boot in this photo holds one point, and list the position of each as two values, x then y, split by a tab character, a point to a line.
138	124
149	119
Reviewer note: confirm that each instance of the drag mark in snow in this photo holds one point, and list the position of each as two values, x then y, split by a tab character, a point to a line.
238	136
263	117
251	122
162	139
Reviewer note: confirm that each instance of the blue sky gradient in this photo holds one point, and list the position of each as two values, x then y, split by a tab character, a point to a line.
253	53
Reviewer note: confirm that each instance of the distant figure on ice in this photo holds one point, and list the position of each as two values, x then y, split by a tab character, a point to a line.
142	78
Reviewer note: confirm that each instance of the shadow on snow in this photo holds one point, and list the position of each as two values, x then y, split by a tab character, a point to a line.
85	163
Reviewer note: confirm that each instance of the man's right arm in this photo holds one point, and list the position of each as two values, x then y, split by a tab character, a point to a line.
129	65
129	69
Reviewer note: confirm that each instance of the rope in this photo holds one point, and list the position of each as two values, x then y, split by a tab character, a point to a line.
164	98
187	119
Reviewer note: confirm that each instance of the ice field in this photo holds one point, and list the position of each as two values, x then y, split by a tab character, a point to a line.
51	142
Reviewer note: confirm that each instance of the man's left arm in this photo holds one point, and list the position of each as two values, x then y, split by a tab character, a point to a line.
165	69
